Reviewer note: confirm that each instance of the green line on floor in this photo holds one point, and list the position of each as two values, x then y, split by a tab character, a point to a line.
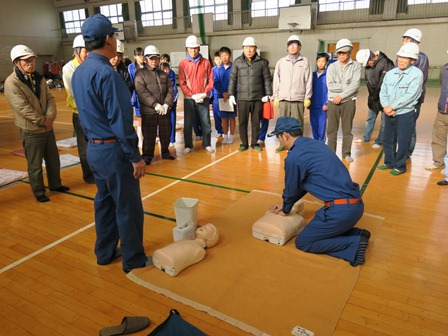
159	216
372	171
198	182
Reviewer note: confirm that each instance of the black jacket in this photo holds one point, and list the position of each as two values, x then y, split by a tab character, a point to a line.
374	78
252	79
124	73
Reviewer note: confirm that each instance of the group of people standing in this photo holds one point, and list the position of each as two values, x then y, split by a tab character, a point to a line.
104	96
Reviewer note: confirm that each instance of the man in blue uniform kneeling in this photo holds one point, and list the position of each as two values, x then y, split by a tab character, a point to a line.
311	166
105	113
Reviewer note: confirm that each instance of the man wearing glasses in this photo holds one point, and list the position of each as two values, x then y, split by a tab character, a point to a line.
34	110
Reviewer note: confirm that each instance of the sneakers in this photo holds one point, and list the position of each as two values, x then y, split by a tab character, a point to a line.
383	167
243	148
230	139
209	149
168	157
219	135
348	158
395	172
280	149
432	167
172	144
225	140
186	151
376	146
260	142
359	140
442	183
256	147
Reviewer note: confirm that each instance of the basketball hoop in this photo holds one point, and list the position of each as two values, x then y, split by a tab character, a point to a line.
292	26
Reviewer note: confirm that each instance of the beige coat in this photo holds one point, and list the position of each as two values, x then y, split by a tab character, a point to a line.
29	111
293	81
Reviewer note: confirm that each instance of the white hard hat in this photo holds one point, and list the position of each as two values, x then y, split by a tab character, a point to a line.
21	51
78	42
414	34
192	42
151	51
344	45
120	47
363	56
249	42
293	38
409	50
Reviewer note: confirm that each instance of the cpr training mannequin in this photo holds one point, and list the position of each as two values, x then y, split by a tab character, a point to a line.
279	229
183	253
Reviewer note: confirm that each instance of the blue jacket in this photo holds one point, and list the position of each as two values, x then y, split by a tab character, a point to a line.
311	166
320	91
104	104
134	99
222	79
402	89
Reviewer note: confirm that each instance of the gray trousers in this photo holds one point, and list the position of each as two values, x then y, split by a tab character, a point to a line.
439	139
39	146
292	109
344	112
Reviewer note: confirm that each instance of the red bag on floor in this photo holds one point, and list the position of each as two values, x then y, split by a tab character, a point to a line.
268	110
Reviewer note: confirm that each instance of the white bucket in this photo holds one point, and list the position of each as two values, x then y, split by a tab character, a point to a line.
186	210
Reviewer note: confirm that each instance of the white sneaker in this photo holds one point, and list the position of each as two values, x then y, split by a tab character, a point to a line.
376	146
230	139
348	158
172	144
432	167
210	149
260	142
225	140
359	140
187	151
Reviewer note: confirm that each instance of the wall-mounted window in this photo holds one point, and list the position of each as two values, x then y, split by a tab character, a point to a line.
342	5
73	20
424	2
113	12
261	8
217	7
156	12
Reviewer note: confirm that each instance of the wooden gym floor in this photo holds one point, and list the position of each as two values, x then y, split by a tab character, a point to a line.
50	283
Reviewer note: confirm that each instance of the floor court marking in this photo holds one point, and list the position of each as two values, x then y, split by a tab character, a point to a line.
61	240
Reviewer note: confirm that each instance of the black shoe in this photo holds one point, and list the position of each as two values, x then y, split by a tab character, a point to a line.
442	183
42	198
61	189
168	157
90	180
147	264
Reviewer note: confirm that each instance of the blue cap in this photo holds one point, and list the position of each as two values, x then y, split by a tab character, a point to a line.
286	124
97	26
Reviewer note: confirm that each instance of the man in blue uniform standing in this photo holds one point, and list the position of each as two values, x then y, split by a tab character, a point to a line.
313	167
105	113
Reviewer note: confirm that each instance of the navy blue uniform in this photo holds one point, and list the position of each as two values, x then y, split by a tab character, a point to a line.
105	112
313	167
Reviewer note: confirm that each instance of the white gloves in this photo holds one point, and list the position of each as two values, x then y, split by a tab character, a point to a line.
232	100
265	99
165	108
199	97
159	109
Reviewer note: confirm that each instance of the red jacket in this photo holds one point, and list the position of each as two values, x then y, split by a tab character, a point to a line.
195	77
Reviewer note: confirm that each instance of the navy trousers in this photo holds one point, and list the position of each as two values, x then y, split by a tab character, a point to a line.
331	231
118	206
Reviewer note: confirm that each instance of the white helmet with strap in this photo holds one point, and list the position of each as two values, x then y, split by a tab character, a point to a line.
78	42
409	50
21	51
414	34
120	47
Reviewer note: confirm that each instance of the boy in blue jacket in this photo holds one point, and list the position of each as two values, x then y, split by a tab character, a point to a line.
319	100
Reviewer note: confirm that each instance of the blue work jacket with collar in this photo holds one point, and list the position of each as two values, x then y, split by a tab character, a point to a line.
104	104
